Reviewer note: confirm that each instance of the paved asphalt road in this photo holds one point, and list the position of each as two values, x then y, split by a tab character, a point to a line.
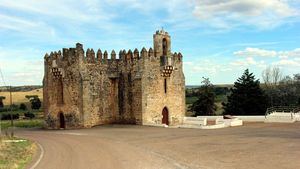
255	145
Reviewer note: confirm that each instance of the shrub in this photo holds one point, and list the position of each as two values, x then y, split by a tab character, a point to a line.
4	109
7	116
14	107
36	103
29	115
23	106
1	104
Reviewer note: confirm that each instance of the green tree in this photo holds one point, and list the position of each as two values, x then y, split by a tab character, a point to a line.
36	103
23	106
205	104
1	101
246	98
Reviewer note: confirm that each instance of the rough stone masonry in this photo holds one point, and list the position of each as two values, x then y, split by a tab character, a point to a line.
84	89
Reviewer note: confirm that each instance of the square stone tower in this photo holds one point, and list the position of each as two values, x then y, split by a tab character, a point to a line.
84	89
163	84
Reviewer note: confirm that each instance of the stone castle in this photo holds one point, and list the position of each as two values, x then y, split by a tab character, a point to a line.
84	89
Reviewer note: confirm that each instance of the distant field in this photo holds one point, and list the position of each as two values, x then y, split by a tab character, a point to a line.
215	85
19	97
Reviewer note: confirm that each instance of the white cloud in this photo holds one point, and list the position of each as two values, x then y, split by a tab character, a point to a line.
287	63
206	65
20	71
64	9
248	61
263	14
257	52
287	54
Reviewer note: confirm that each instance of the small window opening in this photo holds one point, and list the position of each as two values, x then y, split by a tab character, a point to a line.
165	85
165	47
60	92
162	61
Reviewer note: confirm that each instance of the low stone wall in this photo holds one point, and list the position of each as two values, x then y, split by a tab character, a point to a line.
230	122
216	126
194	121
244	118
280	117
297	116
201	122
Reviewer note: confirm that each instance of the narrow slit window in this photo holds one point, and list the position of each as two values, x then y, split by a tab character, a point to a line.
60	92
165	47
165	85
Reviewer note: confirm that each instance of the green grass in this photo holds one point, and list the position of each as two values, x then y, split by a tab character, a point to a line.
15	155
22	123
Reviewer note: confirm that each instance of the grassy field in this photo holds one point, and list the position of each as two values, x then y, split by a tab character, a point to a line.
15	155
19	97
5	124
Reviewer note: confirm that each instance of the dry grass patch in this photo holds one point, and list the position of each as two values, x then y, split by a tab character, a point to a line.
19	97
15	155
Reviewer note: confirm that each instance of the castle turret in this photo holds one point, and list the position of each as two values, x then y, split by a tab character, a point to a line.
162	47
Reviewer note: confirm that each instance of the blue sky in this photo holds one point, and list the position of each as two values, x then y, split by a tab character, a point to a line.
218	38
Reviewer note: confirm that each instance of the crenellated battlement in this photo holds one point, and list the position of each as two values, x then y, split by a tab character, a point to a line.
76	55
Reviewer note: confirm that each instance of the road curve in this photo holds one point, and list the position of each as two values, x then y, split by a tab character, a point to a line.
254	145
71	150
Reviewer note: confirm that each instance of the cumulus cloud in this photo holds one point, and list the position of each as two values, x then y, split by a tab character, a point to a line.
208	66
286	62
19	71
249	61
232	13
253	52
257	52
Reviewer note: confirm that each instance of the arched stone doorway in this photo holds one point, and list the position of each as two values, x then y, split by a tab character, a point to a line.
62	123
165	114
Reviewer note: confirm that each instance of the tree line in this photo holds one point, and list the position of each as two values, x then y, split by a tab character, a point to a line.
248	96
12	111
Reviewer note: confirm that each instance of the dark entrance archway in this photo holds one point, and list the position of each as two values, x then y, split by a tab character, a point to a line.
62	123
165	114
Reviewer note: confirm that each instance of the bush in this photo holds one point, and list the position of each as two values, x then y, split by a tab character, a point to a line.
1	103
36	103
14	107
7	116
23	106
4	109
29	115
